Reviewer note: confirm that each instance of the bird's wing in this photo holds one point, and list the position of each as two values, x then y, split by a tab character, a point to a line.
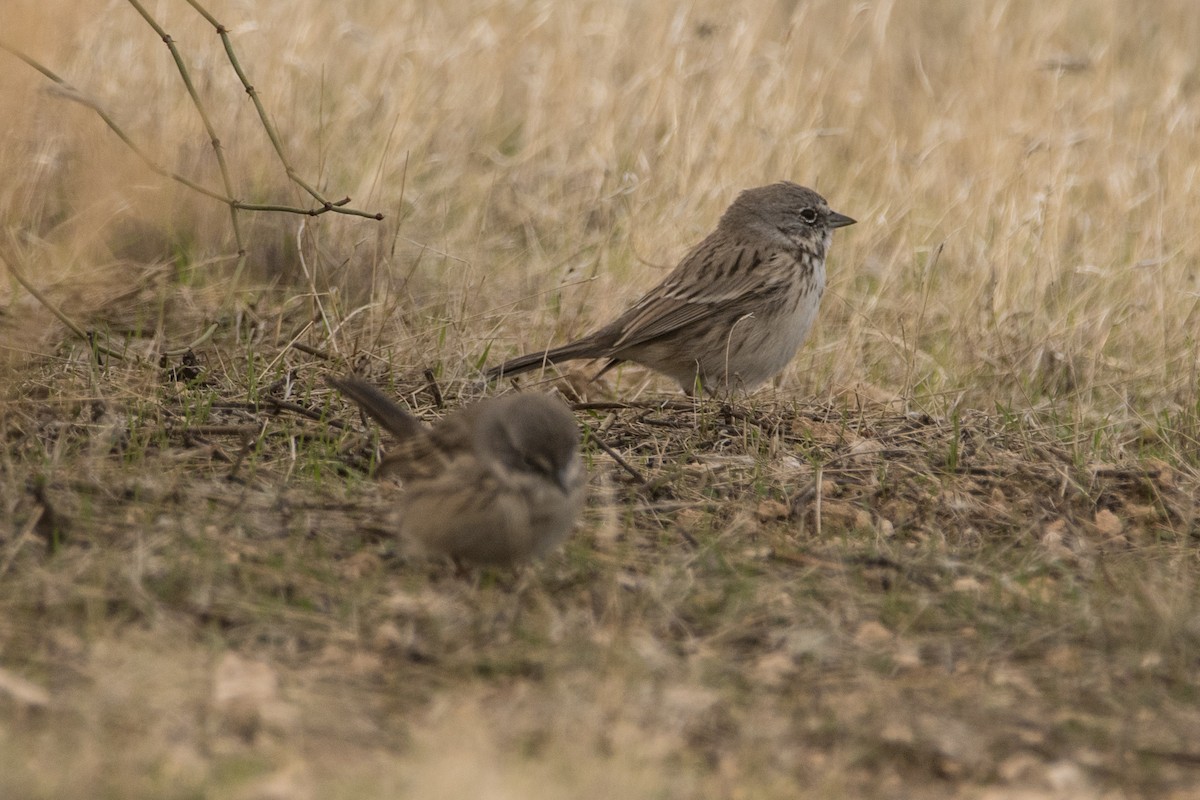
468	512
427	455
700	284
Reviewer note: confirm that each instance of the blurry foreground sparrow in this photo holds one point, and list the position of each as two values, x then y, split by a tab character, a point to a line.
497	482
735	310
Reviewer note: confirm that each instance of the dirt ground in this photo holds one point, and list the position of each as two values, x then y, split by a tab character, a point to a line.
202	595
951	553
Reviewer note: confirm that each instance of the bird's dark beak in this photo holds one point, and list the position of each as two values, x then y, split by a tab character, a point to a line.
567	476
563	481
837	220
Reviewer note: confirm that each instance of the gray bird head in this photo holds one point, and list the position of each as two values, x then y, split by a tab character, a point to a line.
795	211
533	433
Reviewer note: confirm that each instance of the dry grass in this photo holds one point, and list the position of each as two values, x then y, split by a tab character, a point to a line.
951	553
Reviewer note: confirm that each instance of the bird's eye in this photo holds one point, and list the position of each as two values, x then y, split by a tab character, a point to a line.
809	215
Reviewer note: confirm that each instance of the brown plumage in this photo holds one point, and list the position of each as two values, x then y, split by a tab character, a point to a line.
497	482
735	310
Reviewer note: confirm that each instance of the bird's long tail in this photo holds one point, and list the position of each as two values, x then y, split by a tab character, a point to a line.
382	408
584	348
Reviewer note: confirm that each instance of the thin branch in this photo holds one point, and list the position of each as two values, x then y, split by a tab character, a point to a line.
10	263
203	112
201	339
66	90
614	455
337	206
295	408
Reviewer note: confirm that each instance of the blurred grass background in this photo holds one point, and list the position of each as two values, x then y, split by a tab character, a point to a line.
555	160
1025	179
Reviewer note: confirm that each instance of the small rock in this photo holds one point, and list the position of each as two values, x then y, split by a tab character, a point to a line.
1108	524
769	510
774	669
23	692
1066	776
968	584
243	692
872	634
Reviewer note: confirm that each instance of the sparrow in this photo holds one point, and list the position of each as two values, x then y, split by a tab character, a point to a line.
498	482
735	310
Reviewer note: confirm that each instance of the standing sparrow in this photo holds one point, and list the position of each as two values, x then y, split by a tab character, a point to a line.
736	308
497	482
